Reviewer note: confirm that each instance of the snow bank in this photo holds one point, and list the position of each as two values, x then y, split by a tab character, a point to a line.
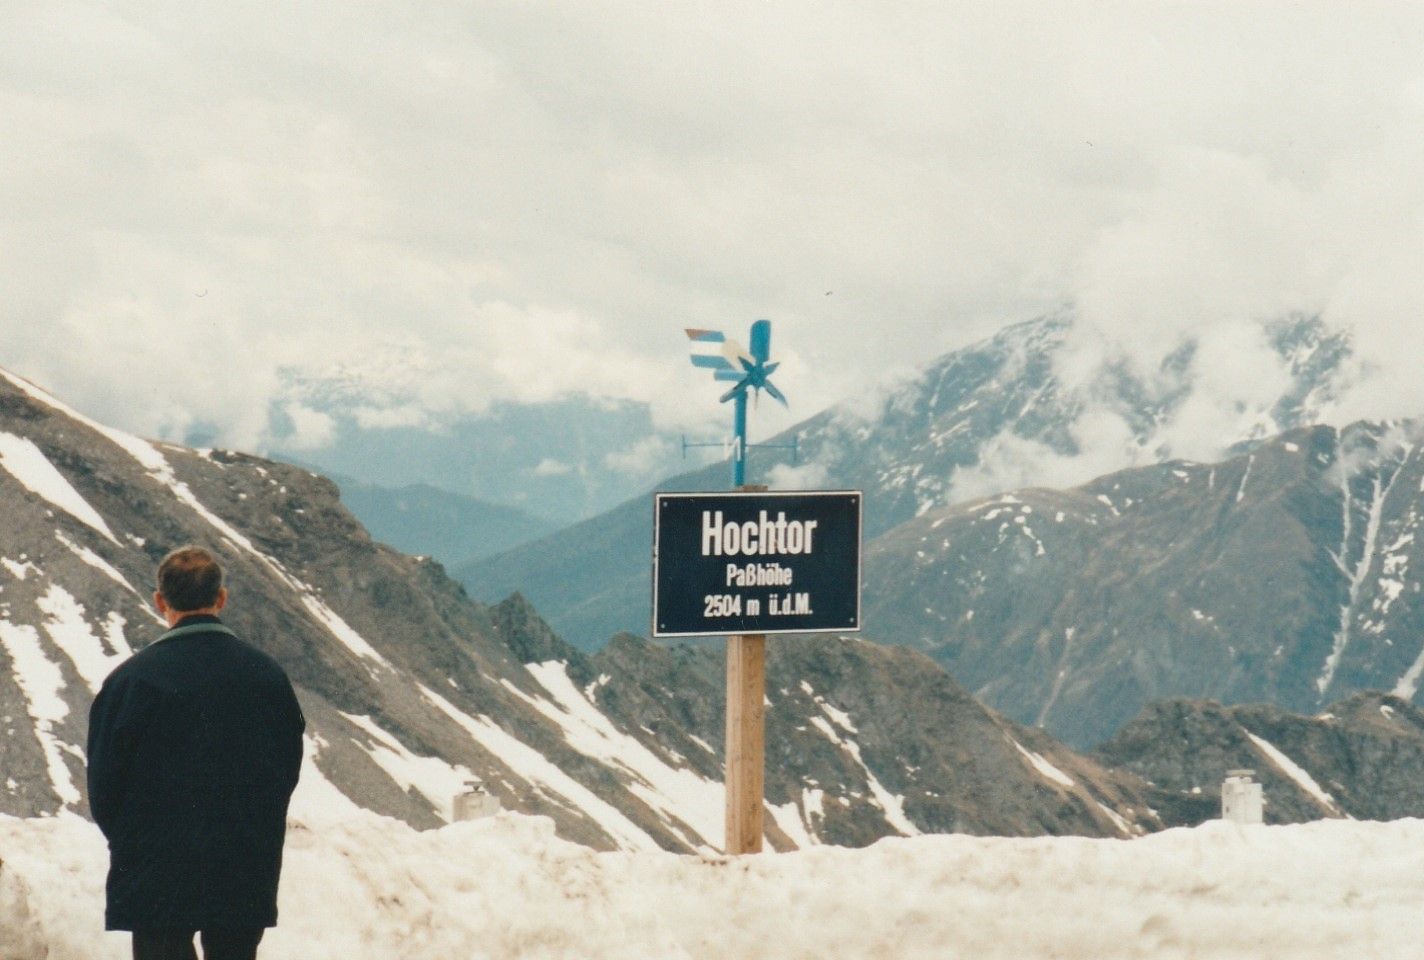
369	887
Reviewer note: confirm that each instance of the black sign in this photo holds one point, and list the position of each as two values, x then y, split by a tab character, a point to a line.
755	563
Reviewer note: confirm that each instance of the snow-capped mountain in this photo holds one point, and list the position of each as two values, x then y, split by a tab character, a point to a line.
1286	574
411	689
1000	413
993	416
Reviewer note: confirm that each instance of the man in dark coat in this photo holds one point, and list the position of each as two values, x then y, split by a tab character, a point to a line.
195	745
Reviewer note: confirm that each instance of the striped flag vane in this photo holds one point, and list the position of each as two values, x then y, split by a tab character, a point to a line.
749	370
729	361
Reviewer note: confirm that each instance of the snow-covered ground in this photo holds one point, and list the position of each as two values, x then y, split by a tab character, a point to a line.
359	886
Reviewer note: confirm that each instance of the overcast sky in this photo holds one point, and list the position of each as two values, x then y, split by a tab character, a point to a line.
454	203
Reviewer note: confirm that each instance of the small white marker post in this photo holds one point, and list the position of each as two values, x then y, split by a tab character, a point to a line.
746	735
1241	798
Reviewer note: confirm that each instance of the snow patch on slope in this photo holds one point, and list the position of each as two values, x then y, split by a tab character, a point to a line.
535	768
102	565
678	794
1409	683
340	629
838	716
1122	825
140	450
19	569
27	463
159	468
893	805
1044	768
439	782
68	627
1357	575
1295	772
789	818
42	684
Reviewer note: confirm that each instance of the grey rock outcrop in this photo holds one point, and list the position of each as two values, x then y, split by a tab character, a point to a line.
1361	758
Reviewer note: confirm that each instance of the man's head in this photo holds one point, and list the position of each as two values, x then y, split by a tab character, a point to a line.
190	581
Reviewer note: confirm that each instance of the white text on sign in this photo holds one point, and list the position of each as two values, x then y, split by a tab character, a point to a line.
730	605
763	536
758	575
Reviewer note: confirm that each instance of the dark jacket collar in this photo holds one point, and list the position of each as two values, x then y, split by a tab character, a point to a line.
194	619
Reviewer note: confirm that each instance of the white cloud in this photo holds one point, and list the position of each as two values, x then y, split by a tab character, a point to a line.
640	459
1236	379
1225	243
1362	453
807	476
311	429
511	201
549	467
1009	462
390	418
1229	242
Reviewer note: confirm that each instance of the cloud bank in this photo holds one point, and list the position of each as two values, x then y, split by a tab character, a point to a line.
518	201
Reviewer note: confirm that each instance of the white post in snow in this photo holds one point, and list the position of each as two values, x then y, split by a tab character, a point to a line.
1241	799
474	803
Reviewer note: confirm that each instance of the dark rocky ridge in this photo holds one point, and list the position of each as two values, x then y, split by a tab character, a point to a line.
1365	754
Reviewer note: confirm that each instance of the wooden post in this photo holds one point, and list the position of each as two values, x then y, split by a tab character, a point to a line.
746	736
746	742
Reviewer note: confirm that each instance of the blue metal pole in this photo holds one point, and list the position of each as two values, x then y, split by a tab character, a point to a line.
739	460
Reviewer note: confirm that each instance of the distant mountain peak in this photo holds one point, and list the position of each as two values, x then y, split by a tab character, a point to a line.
1007	412
1286	573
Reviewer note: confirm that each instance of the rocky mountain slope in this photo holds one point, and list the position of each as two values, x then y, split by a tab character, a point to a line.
450	527
893	725
1287	574
411	689
907	450
1361	758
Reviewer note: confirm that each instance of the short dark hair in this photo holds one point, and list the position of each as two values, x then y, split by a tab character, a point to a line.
189	578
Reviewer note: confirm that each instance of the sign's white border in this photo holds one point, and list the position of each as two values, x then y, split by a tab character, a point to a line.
658	499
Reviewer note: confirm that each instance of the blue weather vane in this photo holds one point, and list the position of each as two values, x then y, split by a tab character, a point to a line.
750	371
